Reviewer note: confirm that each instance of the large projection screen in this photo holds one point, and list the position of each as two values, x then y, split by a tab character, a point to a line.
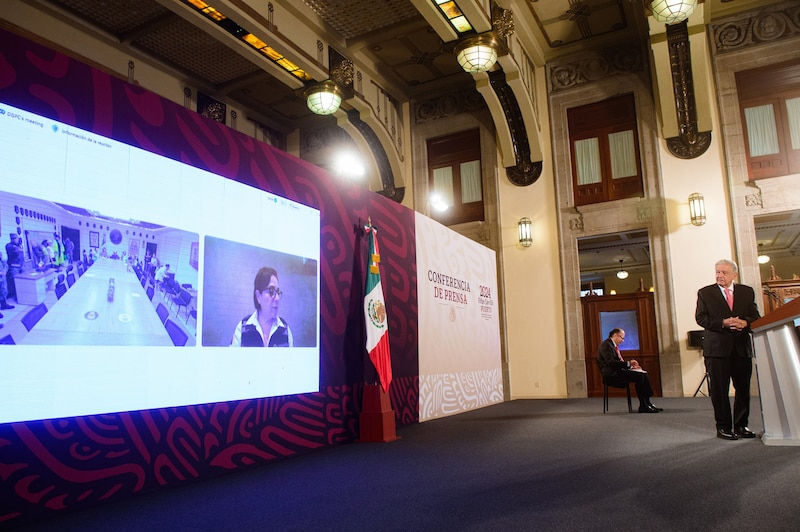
459	329
112	337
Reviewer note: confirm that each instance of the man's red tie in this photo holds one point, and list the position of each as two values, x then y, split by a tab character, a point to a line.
729	298
618	353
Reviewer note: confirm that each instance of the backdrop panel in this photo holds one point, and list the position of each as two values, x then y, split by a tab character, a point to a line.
459	337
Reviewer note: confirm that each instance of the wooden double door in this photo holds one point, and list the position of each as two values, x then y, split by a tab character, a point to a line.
635	314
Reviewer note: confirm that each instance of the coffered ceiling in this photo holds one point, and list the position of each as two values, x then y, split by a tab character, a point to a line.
405	50
392	34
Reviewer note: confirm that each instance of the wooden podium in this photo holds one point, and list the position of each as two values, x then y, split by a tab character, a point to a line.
377	417
777	352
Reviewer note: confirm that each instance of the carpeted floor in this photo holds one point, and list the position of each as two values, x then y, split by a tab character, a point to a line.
522	465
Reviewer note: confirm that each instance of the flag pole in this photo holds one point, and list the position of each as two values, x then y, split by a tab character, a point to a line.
377	423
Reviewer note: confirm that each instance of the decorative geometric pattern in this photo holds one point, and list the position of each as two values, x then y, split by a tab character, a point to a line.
196	51
118	17
448	394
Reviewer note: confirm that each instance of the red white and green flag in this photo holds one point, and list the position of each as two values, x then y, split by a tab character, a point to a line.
375	313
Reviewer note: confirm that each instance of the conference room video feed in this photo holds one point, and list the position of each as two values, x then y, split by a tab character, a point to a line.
80	277
257	297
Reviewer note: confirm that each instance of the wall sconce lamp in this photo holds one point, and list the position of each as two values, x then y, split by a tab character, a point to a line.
524	229
697	209
622	273
477	53
324	98
672	11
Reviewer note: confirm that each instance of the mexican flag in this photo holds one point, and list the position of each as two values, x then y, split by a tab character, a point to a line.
375	314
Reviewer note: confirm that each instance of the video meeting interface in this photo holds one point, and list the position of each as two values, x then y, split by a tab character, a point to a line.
100	324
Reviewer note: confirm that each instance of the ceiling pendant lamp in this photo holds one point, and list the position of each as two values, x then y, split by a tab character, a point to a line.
324	98
622	273
672	11
477	53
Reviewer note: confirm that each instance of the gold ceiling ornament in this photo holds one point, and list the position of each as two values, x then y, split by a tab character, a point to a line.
503	22
342	73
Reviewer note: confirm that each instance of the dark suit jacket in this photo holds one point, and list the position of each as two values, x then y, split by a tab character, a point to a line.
607	359
712	309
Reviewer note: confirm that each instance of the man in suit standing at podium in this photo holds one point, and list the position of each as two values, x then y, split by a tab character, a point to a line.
725	310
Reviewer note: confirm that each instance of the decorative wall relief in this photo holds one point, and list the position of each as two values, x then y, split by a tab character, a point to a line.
768	25
211	108
603	64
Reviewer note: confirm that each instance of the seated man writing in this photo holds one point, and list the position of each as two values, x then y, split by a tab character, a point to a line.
617	372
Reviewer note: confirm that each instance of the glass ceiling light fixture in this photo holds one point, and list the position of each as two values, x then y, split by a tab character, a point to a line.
524	230
477	53
324	98
672	11
697	209
622	273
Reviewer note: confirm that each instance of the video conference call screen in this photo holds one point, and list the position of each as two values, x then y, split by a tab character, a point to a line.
139	282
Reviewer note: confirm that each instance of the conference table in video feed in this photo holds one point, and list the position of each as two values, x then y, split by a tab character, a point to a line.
87	315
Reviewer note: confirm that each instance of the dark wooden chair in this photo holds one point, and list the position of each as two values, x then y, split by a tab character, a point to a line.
605	394
627	387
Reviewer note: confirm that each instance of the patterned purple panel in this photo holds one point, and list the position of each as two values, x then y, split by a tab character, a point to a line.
48	466
66	463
